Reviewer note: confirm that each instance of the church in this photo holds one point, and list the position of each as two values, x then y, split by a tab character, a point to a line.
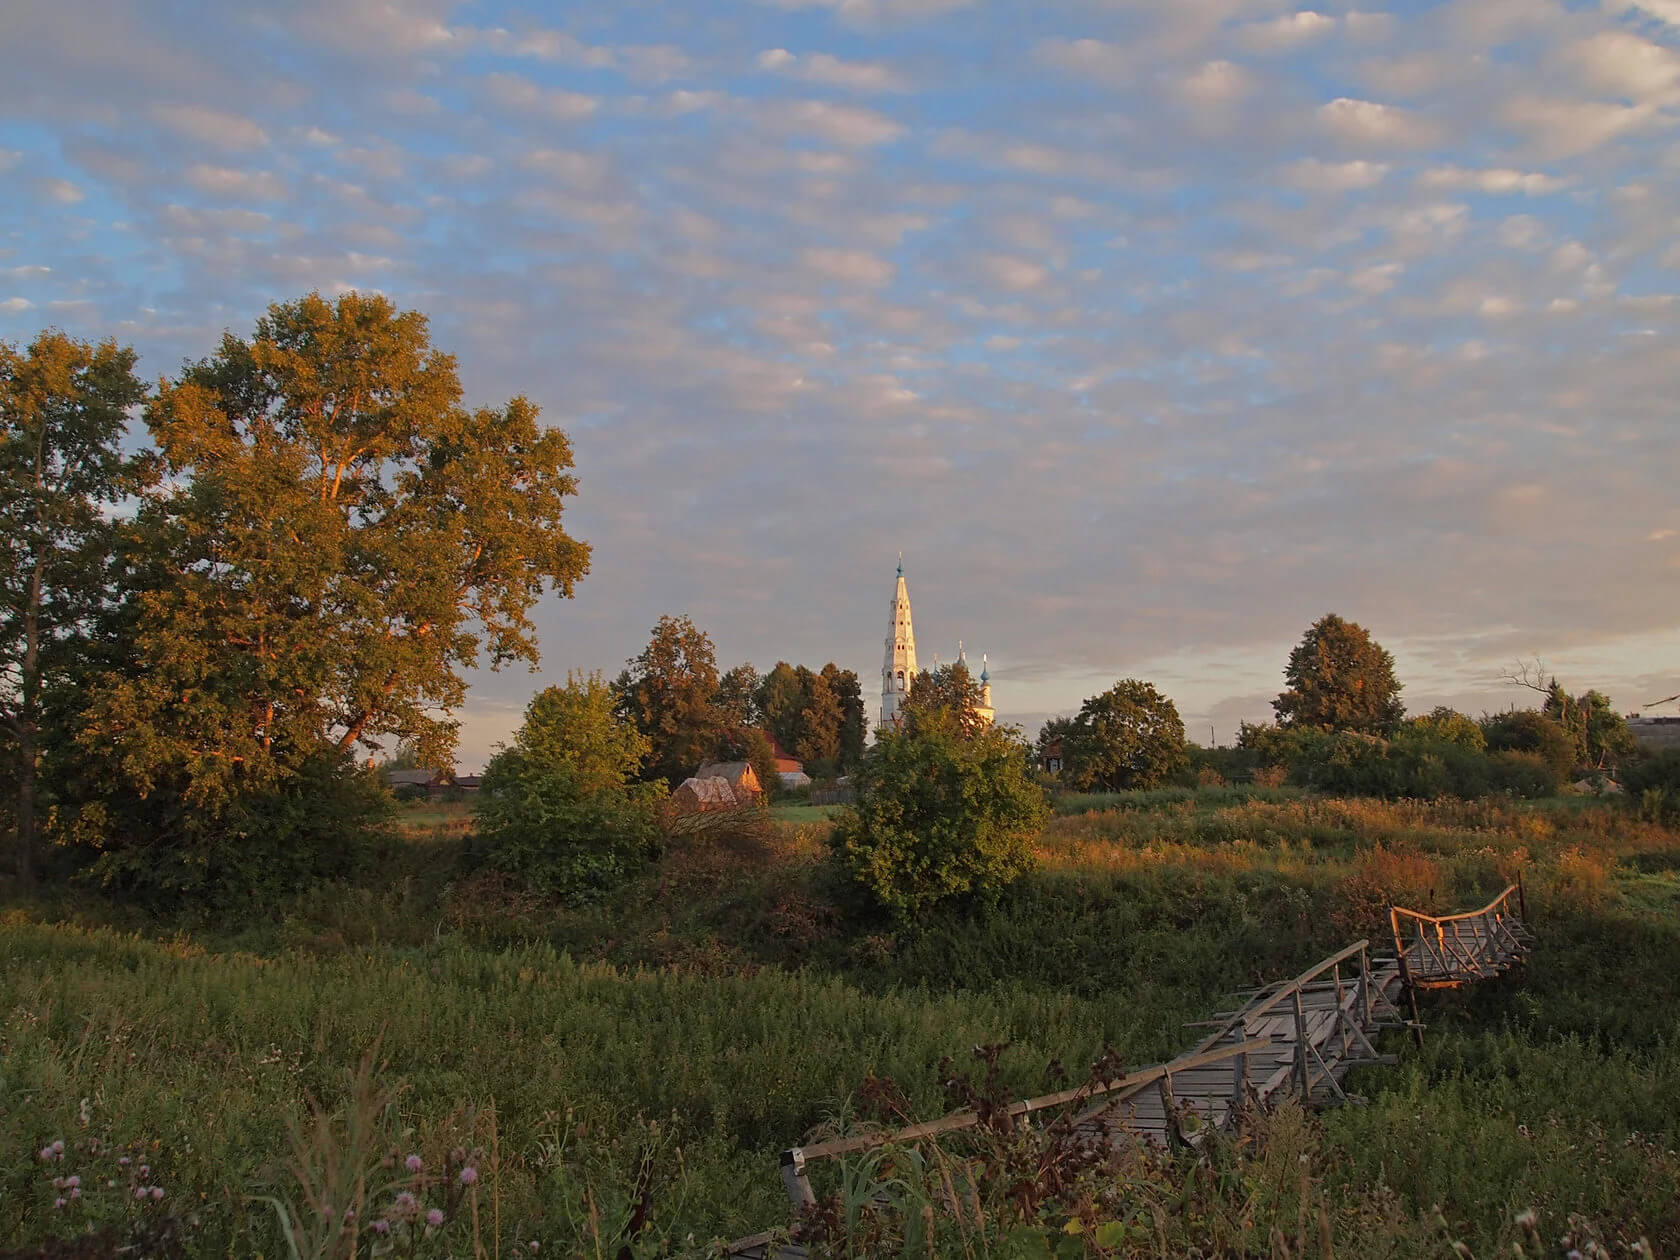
899	668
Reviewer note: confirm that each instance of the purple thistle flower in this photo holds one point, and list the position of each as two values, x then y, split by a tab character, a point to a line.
123	1160
46	1155
469	1174
73	1180
58	1203
140	1192
157	1193
434	1218
534	1246
58	1149
414	1163
75	1192
381	1227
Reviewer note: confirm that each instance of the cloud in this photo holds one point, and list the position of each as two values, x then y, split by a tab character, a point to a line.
874	12
60	190
1217	85
211	126
16	305
231	184
1497	180
1563	128
1092	57
1287	31
1377	278
849	266
1313	175
853	76
517	93
1622	64
1018	275
849	125
1359	122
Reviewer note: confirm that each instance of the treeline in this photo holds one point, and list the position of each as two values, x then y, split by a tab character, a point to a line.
1342	728
203	639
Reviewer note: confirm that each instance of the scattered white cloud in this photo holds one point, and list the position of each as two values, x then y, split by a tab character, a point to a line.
1217	85
16	305
1314	175
1495	180
849	266
517	93
60	190
1562	128
233	184
824	68
1013	273
1376	279
1370	123
211	126
850	125
1093	57
1497	307
1621	64
1287	31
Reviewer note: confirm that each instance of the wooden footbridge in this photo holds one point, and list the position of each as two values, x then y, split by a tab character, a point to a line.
1298	1038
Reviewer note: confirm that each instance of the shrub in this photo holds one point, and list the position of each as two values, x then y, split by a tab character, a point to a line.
1128	737
1524	775
252	849
1528	731
538	825
940	815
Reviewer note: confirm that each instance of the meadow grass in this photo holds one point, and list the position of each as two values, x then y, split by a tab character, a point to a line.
736	999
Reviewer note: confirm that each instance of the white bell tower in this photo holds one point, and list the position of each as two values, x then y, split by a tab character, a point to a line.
899	668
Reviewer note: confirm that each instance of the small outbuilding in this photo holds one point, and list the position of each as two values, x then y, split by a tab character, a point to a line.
738	774
698	795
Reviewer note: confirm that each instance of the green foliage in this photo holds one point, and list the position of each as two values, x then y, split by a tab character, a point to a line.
1442	725
1529	731
940	815
1130	736
1340	679
1601	736
947	698
737	696
63	410
558	810
263	845
816	716
1412	765
667	694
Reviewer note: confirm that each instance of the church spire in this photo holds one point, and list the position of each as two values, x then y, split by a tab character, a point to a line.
898	669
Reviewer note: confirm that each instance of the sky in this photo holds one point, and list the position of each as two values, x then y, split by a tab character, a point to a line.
1148	332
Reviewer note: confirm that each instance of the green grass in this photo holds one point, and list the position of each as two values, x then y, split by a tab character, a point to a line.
722	1006
797	813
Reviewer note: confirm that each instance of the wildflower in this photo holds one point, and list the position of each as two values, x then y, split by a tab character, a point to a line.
145	1170
58	1150
469	1174
140	1192
58	1203
157	1193
434	1218
414	1163
534	1246
73	1180
123	1161
382	1227
457	1156
404	1206
1527	1219
75	1192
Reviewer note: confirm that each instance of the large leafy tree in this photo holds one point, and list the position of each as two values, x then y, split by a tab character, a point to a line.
816	715
338	541
667	692
781	702
63	409
1340	679
1130	736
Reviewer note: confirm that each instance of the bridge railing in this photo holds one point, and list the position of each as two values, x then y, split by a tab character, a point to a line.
1439	951
796	1159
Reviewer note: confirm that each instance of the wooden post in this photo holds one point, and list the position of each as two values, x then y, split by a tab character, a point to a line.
793	1177
1301	1050
1365	988
1522	899
1406	974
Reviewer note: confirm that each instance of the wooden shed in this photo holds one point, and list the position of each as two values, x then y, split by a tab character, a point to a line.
738	774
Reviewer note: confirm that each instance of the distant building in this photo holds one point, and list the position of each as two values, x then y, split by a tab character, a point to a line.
697	796
411	782
738	774
792	779
1050	760
898	670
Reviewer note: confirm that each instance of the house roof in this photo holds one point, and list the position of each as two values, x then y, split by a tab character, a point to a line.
734	771
713	790
410	778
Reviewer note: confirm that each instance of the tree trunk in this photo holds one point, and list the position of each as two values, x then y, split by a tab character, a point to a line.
26	811
27	727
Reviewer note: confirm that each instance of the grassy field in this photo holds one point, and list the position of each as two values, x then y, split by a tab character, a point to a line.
734	1000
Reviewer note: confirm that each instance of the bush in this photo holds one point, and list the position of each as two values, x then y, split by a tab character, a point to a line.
539	825
1524	775
260	847
940	815
1528	731
1652	784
